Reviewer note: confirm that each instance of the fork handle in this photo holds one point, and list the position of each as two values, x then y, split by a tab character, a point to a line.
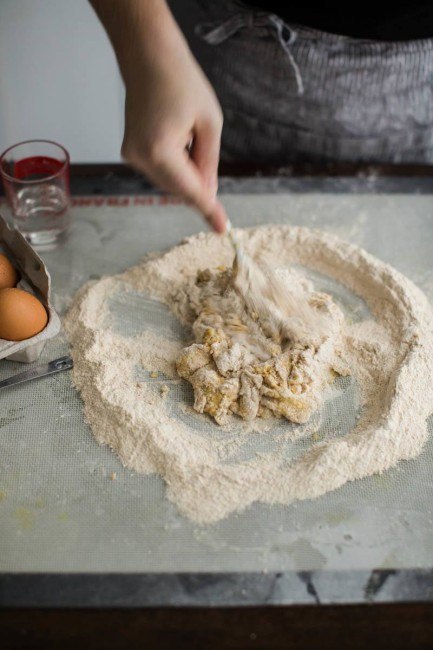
63	363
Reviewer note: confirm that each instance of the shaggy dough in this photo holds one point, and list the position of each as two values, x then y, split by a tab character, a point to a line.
238	364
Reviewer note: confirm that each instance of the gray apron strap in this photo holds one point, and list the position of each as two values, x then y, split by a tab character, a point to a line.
217	32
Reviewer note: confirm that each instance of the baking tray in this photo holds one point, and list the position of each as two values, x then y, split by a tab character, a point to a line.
72	535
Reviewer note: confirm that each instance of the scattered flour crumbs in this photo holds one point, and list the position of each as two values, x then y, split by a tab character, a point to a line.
390	355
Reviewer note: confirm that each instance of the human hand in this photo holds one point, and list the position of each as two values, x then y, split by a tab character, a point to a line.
173	120
173	125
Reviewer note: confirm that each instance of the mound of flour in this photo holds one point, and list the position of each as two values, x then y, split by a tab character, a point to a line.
390	355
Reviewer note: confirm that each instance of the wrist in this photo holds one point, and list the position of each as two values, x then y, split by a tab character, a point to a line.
143	34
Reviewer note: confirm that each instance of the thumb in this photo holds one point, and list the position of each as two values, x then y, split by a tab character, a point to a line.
205	152
177	173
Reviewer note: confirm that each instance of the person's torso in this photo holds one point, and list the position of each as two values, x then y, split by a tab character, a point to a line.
383	21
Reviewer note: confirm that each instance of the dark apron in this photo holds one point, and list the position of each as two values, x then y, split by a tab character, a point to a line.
290	93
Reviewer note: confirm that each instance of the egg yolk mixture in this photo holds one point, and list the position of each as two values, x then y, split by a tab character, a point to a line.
237	365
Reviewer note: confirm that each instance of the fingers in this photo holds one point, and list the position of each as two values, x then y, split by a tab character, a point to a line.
218	218
205	152
176	172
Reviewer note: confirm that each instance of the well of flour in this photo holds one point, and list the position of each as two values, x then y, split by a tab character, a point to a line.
245	364
128	382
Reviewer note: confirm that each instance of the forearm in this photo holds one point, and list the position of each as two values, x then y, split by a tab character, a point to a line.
141	31
173	120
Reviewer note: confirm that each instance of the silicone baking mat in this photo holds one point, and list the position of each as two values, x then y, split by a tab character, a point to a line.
60	510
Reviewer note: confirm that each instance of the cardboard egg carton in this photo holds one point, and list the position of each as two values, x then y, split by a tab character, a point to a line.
35	279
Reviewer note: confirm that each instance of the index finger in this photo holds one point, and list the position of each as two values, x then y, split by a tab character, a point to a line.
178	175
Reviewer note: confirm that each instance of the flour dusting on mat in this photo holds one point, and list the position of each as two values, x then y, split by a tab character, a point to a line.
390	356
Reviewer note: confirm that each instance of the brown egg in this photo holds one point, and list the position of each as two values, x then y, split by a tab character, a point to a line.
8	275
21	315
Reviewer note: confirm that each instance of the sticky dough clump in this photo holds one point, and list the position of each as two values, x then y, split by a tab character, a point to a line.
238	366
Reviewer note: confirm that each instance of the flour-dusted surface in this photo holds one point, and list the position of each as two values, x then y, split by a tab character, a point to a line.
63	512
390	355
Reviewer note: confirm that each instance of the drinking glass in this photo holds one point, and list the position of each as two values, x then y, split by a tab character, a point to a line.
35	176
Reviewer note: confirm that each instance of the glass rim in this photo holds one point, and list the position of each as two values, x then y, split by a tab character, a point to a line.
12	179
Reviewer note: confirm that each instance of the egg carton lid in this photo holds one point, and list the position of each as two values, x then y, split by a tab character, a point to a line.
34	276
